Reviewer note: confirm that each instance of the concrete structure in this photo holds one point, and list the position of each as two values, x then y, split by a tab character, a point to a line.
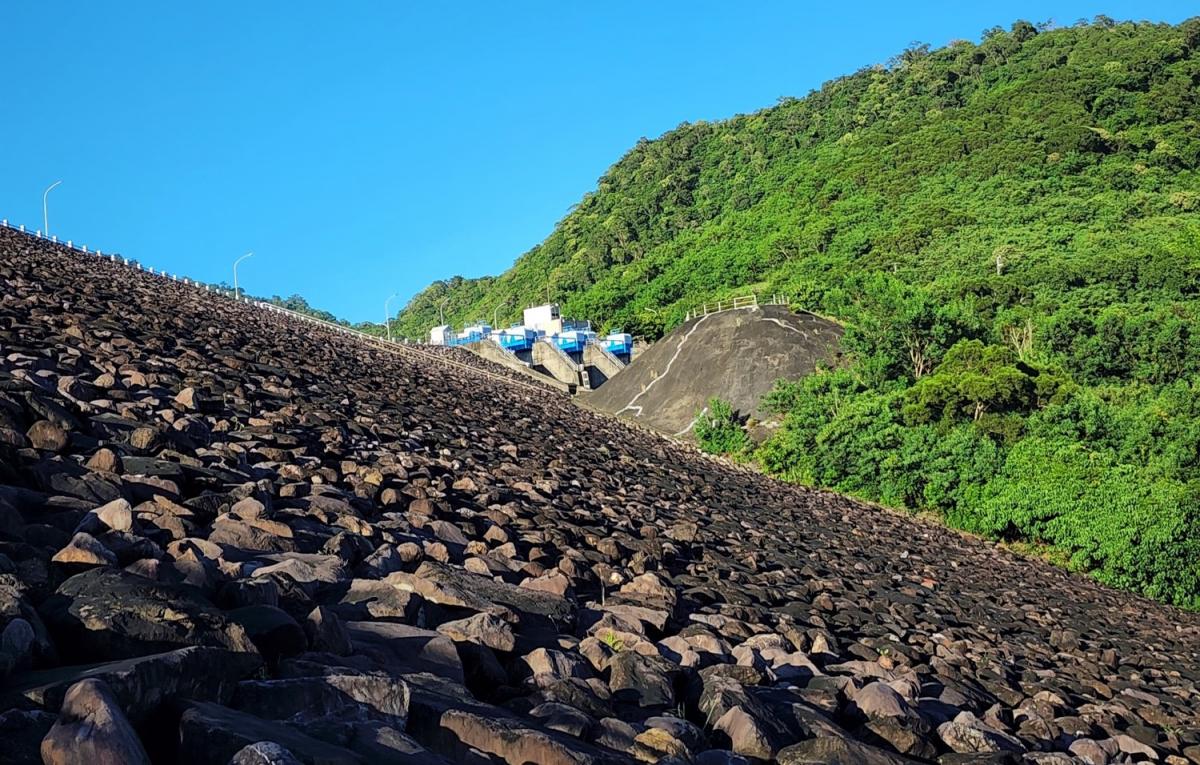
736	355
600	364
619	344
545	345
544	318
573	341
552	360
489	350
547	319
516	339
472	334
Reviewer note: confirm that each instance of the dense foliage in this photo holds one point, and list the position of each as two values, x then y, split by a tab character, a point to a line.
718	430
1010	231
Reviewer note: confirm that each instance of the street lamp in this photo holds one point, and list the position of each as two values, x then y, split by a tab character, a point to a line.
45	209
442	312
387	316
236	293
496	311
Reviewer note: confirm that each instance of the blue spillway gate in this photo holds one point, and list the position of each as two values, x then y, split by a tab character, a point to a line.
515	339
619	343
573	341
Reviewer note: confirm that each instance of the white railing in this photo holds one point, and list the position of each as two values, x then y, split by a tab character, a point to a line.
112	256
508	351
745	301
402	347
599	345
565	356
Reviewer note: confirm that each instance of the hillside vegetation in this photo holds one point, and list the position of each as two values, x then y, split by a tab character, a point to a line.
1010	231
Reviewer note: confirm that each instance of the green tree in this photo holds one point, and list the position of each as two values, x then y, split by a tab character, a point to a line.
718	430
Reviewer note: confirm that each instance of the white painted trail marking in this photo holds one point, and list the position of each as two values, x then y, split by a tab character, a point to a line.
691	424
800	332
665	371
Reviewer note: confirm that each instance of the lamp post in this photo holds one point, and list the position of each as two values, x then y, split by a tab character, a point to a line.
442	312
387	316
236	293
496	311
46	209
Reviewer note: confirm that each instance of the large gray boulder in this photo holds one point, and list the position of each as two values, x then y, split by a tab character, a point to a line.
211	734
92	730
345	697
144	684
404	648
105	614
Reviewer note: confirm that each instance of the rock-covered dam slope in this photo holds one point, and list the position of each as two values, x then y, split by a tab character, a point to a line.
228	536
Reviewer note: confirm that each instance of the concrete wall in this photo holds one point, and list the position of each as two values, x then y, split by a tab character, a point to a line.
599	365
492	352
557	364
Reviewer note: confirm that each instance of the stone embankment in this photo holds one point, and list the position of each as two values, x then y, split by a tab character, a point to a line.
227	536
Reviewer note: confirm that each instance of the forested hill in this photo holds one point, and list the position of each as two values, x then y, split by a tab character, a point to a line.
1010	231
1057	151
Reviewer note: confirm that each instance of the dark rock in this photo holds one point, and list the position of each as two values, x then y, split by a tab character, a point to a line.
85	550
24	641
326	632
441	584
749	725
563	718
966	733
92	730
446	719
47	436
380	743
210	734
366	599
343	697
116	515
105	461
144	684
264	753
22	731
101	615
485	629
403	648
272	631
645	681
553	664
838	751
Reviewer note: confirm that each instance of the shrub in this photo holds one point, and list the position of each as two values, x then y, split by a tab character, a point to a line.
1129	527
718	430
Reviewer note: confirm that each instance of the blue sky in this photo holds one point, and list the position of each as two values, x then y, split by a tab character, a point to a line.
366	148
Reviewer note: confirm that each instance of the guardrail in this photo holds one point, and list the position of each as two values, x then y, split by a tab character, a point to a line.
510	353
403	348
599	345
566	356
745	301
113	257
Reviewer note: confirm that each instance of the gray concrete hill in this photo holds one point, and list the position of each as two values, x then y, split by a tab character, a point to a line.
735	355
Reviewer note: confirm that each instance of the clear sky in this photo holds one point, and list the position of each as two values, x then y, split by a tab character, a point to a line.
366	148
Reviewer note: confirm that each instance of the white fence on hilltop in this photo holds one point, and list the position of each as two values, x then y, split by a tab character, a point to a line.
401	347
745	301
